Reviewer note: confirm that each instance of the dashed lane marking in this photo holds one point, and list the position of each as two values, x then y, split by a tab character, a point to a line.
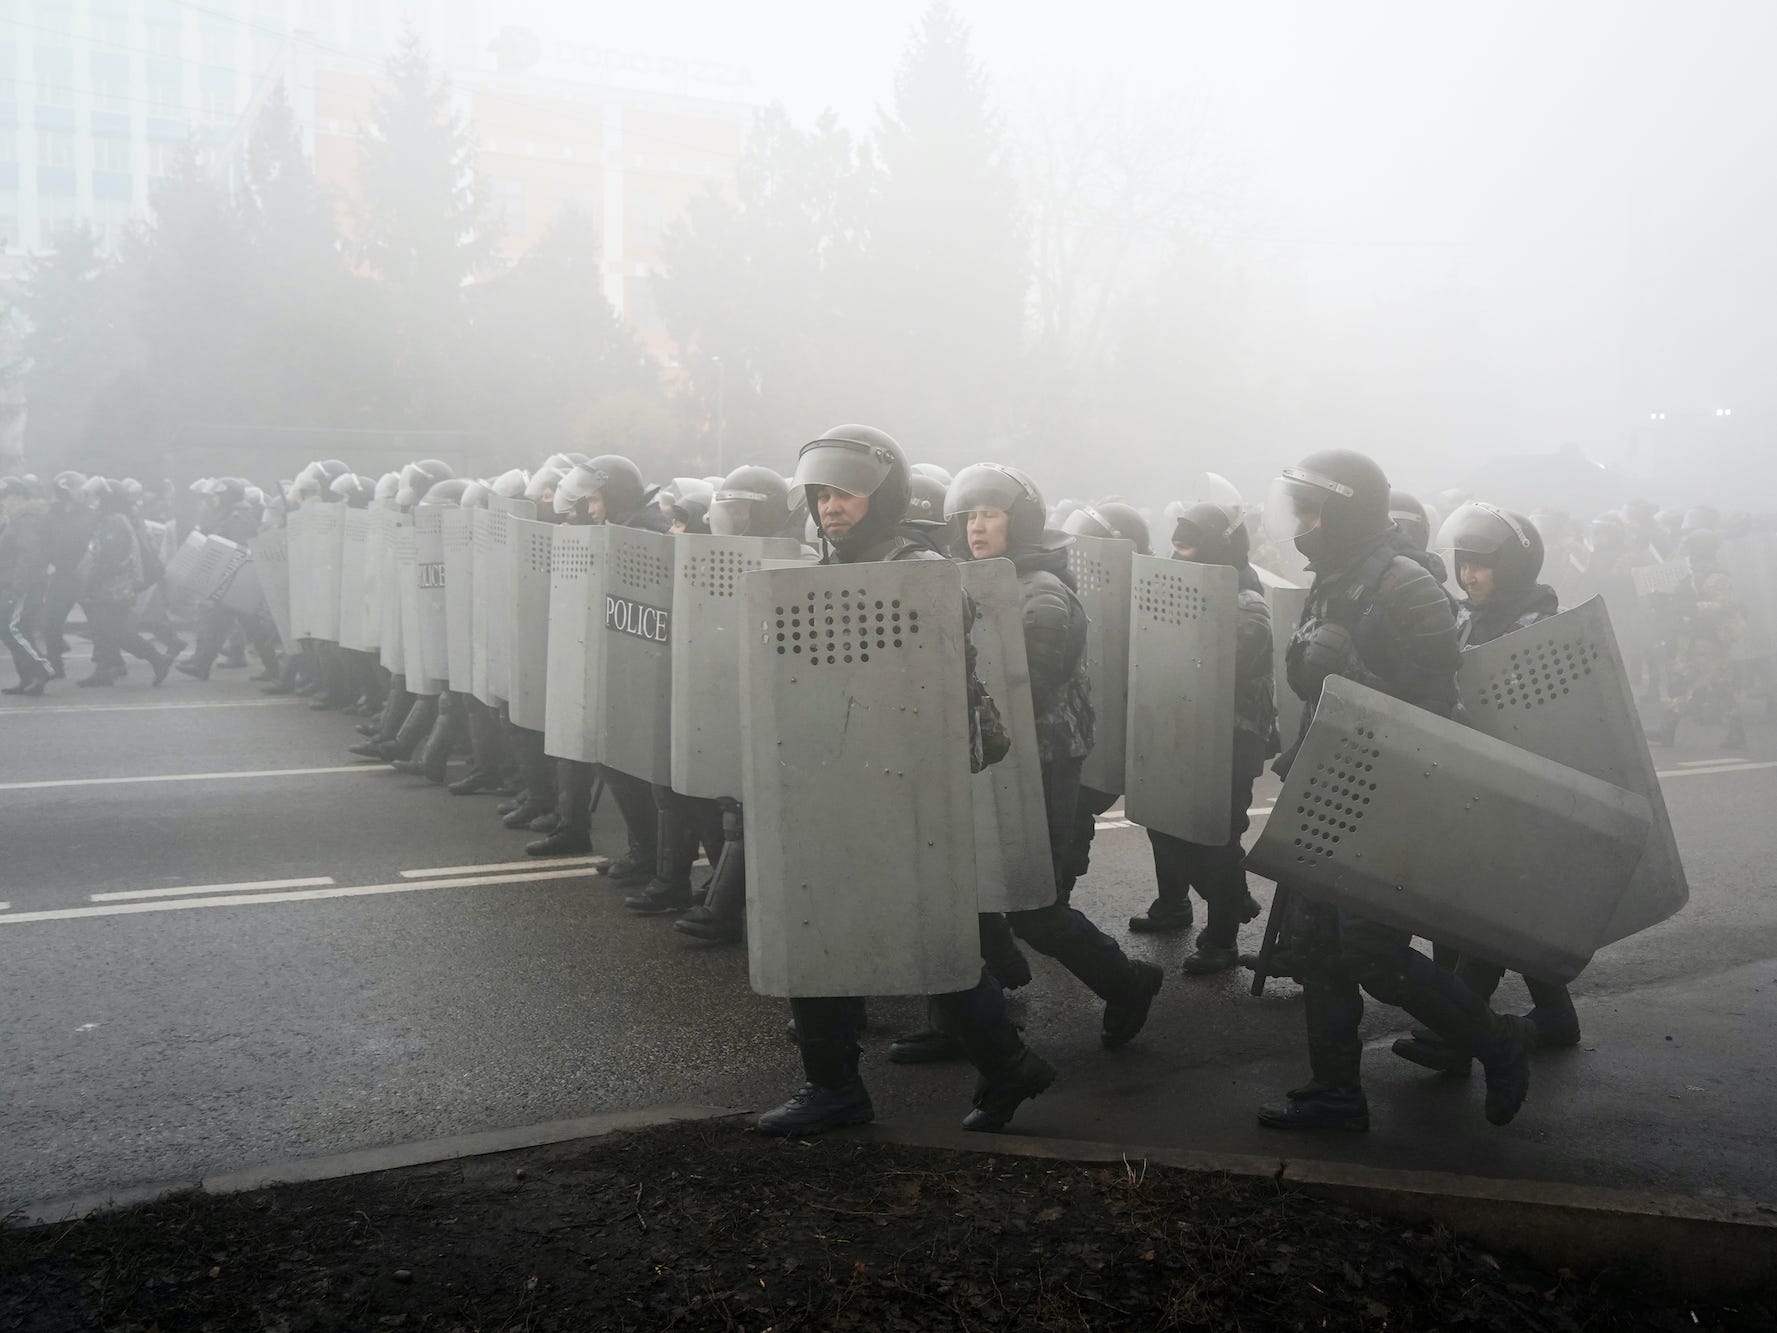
5	907
1103	823
502	865
1729	766
30	710
293	896
197	777
250	886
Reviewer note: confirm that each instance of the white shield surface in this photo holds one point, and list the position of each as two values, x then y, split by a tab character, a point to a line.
217	564
397	535
576	565
459	599
1100	566
632	656
706	629
1287	605
327	530
428	563
300	527
1014	868
855	750
1429	826
1559	690
1751	562
1181	698
375	534
1663	579
354	569
528	545
271	555
488	555
244	595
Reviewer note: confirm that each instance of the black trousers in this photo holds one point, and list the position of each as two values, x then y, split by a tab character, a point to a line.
114	634
1218	873
827	1031
635	798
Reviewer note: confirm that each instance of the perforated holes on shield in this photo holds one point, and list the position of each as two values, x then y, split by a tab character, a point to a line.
641	570
836	629
1338	793
1165	598
1541	674
1090	573
718	574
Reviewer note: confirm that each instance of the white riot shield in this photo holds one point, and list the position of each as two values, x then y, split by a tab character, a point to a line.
1751	562
375	535
217	564
488	554
299	527
1181	698
428	565
860	839
1662	580
1100	566
418	673
397	535
244	595
1559	690
327	534
1014	868
1429	826
632	657
706	628
182	569
528	547
354	568
459	600
271	555
576	568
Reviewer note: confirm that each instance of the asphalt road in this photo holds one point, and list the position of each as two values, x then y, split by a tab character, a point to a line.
412	983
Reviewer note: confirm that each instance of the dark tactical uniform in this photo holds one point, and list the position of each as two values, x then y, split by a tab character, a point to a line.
1710	622
24	576
71	526
1375	614
237	523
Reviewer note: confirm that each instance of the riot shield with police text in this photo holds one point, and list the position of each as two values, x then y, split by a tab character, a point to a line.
271	555
1181	698
632	656
428	564
1427	825
459	599
419	673
528	544
1100	566
706	629
1559	690
354	571
1014	868
576	567
860	843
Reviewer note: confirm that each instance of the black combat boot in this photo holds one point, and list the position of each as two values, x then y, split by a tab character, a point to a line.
1011	1074
1125	1014
669	891
834	1096
1000	951
719	918
1442	1002
1163	918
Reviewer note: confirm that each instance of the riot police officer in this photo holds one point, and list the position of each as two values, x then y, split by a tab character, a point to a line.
1499	559
1206	534
1710	622
1377	615
225	513
857	482
24	578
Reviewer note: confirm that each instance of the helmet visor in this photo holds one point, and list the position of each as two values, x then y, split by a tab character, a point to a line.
845	465
1088	522
1482	530
1296	502
732	512
572	489
983	486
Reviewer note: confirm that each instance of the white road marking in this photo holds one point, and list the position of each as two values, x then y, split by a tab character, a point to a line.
196	777
294	896
1728	767
251	886
5	907
1705	763
540	863
28	710
1104	822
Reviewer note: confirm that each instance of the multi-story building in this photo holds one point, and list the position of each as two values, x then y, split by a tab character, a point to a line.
99	97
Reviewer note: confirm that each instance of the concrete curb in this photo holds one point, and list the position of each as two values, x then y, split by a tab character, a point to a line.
364	1161
1691	1244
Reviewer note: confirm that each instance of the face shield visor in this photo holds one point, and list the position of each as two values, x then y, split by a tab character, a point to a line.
735	513
307	486
1296	502
542	487
1485	532
510	485
983	486
582	483
1085	521
846	465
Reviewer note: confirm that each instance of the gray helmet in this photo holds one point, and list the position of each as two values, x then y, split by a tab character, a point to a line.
446	494
751	501
1212	535
356	491
1410	517
67	484
1509	544
932	471
475	495
996	486
859	460
543	488
387	486
927	501
511	484
418	478
1114	519
612	476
